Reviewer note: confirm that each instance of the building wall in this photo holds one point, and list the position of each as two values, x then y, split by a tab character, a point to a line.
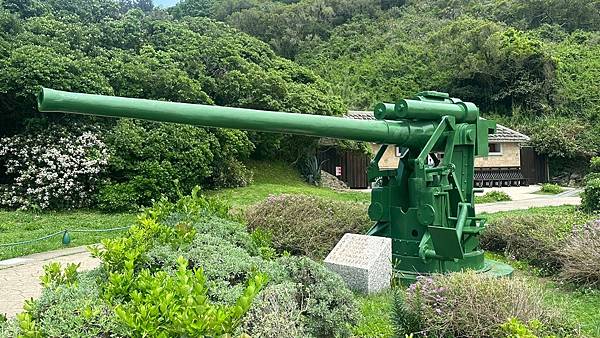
510	157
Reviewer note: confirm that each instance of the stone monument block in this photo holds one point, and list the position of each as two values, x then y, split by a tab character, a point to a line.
364	262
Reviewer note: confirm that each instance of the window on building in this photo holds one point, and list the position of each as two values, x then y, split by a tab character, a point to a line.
495	148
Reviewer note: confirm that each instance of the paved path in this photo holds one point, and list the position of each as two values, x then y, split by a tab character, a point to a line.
526	204
525	198
19	277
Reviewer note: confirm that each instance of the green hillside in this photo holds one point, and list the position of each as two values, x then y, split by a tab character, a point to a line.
532	65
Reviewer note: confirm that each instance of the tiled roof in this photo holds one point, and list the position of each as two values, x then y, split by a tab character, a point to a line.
505	134
502	134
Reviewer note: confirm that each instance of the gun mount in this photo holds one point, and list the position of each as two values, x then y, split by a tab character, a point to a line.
427	210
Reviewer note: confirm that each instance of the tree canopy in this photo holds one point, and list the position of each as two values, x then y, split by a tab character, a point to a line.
531	64
124	48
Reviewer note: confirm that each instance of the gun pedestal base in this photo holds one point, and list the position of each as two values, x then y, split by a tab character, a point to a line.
491	268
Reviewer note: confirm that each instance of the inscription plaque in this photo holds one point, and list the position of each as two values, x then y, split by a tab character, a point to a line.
364	262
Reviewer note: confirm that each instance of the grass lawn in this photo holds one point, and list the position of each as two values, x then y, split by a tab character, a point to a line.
280	178
18	226
376	316
579	304
269	178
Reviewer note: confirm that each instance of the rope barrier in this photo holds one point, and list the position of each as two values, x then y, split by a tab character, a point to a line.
66	238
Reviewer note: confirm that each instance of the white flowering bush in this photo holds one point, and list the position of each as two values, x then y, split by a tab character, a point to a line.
52	168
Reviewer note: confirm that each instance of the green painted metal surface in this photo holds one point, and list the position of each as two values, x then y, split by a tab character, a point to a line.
410	133
426	209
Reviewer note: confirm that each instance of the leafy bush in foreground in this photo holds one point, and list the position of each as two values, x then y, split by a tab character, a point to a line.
472	305
581	256
188	269
174	305
307	225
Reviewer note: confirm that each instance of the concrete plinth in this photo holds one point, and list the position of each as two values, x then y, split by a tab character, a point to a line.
364	262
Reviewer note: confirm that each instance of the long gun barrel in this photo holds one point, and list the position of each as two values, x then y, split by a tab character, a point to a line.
405	133
427	209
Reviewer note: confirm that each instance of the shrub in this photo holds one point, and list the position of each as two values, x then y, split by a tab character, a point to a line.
580	256
551	188
160	304
307	225
471	305
225	266
532	237
276	313
191	207
595	164
117	197
514	328
590	200
493	196
329	306
188	269
590	176
53	274
52	167
320	296
151	160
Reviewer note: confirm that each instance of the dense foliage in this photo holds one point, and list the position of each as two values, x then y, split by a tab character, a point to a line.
150	160
591	194
436	307
531	81
531	64
127	48
590	199
288	26
189	269
307	225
